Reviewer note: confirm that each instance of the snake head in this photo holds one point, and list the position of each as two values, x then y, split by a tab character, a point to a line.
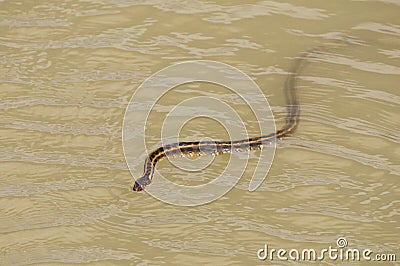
140	184
137	187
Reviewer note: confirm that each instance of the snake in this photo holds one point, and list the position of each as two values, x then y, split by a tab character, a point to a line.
197	148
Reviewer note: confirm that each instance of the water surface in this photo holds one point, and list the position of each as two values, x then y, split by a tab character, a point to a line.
68	70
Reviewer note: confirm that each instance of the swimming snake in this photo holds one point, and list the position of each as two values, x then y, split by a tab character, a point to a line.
198	148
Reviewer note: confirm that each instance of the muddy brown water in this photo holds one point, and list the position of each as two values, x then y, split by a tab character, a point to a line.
68	71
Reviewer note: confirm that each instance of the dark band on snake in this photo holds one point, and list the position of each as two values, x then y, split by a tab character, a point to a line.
198	148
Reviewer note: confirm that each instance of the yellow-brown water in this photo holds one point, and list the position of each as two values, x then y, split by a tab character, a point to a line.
68	70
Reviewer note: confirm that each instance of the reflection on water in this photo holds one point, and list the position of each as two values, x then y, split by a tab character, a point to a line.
68	70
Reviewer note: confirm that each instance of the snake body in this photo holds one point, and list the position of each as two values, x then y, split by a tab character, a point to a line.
198	148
